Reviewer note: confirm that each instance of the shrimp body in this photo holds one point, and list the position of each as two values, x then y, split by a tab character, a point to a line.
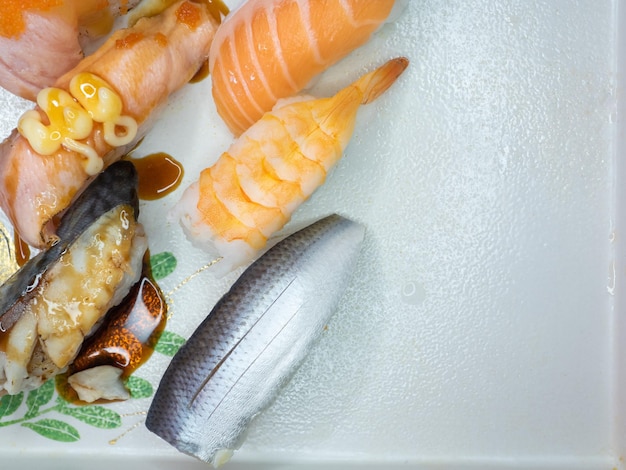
272	168
271	49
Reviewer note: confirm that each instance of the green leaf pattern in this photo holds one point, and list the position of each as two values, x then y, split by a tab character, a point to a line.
10	403
94	415
39	402
163	264
54	429
169	343
38	398
138	387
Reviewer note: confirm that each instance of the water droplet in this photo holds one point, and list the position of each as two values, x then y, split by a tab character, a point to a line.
413	293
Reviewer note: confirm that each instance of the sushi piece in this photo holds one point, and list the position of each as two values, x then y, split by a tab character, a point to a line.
59	297
252	342
124	341
95	113
41	40
271	49
254	187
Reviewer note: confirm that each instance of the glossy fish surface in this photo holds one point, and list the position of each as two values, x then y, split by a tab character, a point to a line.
96	200
47	313
253	340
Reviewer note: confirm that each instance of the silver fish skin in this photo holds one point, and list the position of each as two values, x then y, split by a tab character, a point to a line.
115	186
247	348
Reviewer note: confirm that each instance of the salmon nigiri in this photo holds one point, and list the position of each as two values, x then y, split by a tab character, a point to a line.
40	40
96	112
274	166
271	49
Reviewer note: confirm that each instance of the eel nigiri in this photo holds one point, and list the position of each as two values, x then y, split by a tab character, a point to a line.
254	187
58	297
251	343
41	40
95	113
271	49
125	340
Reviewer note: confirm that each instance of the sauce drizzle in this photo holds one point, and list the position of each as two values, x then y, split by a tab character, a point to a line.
159	174
22	250
202	73
127	337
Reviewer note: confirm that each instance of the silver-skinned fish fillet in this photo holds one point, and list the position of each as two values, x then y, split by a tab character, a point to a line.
236	362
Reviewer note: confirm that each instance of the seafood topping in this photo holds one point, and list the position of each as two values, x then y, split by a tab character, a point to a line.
96	200
271	49
59	297
125	340
251	343
254	187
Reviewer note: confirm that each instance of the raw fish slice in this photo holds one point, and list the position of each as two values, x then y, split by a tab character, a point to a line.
41	40
144	65
271	49
253	340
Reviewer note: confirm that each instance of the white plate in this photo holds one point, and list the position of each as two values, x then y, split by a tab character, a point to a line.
482	328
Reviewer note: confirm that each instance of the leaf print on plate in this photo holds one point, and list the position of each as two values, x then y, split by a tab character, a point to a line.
138	387
169	343
39	397
162	264
94	415
54	429
10	403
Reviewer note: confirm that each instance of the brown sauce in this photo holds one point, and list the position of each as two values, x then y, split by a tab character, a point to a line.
202	73
98	23
4	340
127	337
217	9
22	250
159	174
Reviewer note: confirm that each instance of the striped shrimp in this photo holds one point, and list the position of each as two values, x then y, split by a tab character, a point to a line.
272	168
271	49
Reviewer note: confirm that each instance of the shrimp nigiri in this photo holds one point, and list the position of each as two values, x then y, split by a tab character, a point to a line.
95	113
254	187
41	40
271	49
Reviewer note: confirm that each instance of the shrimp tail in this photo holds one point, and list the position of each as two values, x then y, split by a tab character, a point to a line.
341	109
375	83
